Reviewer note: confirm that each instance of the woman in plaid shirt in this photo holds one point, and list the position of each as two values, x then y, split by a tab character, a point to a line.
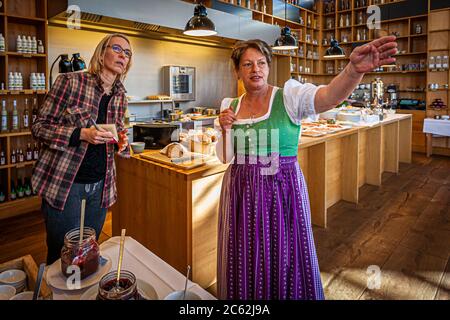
77	162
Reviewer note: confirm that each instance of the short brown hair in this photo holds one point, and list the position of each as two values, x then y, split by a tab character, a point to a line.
96	64
241	46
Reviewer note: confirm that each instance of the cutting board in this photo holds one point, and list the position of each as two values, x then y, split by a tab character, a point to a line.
186	165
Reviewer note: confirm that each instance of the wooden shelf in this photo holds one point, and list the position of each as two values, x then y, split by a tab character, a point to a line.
306	10
404	18
26	91
149	101
441	30
27	55
409	54
24	19
344	11
19	165
397	72
15	134
12	208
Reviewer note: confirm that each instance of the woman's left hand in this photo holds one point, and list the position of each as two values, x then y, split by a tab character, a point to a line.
374	54
123	140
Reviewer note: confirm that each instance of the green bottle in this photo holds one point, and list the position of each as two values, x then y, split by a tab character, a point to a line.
4	117
15	117
13	195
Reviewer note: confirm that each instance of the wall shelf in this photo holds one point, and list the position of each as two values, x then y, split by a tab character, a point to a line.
25	17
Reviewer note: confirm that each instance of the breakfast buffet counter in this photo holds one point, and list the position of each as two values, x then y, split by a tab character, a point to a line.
173	212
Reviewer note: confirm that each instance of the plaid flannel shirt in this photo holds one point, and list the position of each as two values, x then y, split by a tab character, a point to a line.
72	101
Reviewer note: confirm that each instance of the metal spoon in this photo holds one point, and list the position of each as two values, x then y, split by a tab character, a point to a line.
37	287
119	266
187	279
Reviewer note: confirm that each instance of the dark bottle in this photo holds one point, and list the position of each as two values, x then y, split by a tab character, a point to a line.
35	152
13	195
34	112
2	197
26	117
2	158
29	154
20	155
19	189
13	157
27	190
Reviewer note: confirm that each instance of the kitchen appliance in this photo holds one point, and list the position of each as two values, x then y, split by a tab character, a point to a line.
156	135
179	82
377	89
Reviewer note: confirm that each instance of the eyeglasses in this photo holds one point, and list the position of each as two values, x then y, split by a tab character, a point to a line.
118	49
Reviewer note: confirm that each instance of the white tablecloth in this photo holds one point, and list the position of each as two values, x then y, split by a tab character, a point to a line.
145	265
435	126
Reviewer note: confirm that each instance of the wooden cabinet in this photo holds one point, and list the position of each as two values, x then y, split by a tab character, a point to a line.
438	47
20	17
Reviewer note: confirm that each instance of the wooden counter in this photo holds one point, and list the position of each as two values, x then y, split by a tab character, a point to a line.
336	166
173	212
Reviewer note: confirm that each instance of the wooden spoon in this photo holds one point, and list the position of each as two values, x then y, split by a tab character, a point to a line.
119	266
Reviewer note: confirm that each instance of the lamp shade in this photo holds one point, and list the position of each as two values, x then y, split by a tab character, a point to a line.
334	51
78	63
285	41
200	25
64	64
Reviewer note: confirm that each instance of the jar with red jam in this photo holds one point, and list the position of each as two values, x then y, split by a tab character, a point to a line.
85	255
125	289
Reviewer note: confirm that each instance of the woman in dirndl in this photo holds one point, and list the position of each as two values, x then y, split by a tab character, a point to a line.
265	241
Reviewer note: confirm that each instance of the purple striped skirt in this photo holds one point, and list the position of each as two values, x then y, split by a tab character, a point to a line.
265	240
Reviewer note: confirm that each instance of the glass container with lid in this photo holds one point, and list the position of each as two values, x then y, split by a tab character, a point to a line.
84	254
126	289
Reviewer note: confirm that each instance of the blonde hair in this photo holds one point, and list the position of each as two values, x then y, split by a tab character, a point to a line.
96	63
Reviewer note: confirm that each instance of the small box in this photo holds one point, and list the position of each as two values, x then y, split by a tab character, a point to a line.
28	265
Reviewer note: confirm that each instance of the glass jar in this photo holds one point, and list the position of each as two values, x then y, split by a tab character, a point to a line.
85	255
418	28
445	62
439	62
432	63
126	290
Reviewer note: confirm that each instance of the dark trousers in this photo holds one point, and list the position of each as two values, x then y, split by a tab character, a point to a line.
58	222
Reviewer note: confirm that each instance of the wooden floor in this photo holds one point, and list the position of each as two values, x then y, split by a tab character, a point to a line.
402	228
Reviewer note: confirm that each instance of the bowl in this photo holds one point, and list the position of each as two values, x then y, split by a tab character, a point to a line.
13	277
26	295
138	147
7	292
178	295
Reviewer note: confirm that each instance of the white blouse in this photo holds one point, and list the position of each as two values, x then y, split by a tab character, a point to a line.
298	100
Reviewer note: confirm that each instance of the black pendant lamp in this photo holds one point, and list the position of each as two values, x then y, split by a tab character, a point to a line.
200	25
334	51
285	41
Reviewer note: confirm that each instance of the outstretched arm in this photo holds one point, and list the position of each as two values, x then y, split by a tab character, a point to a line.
363	59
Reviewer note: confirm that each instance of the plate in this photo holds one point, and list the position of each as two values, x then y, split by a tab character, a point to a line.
145	289
56	278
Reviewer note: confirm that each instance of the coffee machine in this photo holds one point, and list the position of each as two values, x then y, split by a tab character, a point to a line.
377	87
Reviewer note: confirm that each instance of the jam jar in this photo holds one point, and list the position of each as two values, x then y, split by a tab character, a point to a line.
125	290
85	255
